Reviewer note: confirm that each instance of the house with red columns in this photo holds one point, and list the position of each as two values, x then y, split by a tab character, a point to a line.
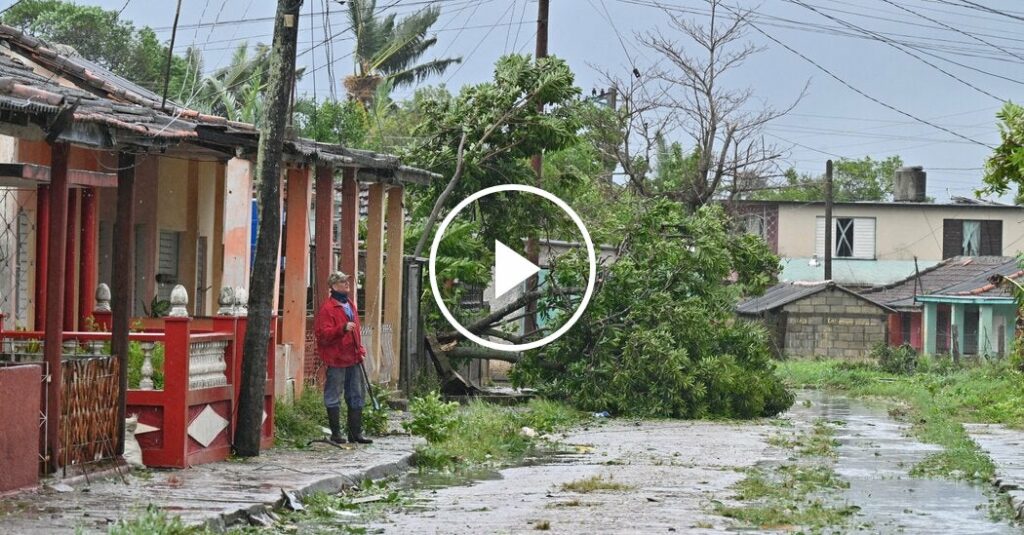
113	203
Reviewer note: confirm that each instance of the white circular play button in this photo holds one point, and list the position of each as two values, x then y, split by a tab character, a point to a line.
511	269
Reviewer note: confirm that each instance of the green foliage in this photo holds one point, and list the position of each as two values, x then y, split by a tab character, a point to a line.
296	423
866	179
484	434
135	358
900	360
97	34
345	122
659	338
153	521
391	47
940	396
1005	167
432	418
502	129
675	168
375	422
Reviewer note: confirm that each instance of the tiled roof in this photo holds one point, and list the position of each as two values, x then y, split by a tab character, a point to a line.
958	276
788	292
40	78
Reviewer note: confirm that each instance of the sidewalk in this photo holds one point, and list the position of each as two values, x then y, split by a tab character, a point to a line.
215	494
1003	446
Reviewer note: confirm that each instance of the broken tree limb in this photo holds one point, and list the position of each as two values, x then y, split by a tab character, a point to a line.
452	383
477	352
487	321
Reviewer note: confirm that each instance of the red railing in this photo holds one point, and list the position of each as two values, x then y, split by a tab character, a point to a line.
192	418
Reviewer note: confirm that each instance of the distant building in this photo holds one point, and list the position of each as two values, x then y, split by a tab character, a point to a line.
877	243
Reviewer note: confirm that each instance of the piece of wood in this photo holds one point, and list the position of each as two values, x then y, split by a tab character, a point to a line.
350	229
54	297
296	271
71	261
324	243
452	383
373	283
87	270
393	282
122	284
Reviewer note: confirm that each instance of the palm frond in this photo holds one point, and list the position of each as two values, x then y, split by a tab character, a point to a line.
421	72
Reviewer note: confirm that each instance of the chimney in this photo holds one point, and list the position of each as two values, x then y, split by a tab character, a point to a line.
908	184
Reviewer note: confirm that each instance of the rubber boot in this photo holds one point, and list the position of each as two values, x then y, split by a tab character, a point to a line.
334	418
355	427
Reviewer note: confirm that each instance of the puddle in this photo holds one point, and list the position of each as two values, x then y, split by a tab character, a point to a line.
876	454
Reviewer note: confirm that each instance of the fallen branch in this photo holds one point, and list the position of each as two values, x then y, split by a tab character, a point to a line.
487	321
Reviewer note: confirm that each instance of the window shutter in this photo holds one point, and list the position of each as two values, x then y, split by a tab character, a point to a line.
952	238
992	237
864	238
819	237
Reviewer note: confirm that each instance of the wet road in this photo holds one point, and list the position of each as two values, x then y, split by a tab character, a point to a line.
875	455
671	474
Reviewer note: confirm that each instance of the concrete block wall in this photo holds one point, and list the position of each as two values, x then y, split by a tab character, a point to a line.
834	324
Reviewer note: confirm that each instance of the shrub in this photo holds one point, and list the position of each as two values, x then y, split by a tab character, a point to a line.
900	360
375	422
299	422
135	358
659	338
432	418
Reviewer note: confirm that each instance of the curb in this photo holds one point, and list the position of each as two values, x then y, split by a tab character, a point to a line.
333	483
1013	494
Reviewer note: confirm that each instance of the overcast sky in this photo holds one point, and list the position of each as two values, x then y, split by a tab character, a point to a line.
852	39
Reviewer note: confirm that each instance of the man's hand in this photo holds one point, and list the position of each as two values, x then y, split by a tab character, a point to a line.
349	326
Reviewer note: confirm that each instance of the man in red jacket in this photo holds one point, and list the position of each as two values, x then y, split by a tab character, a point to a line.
340	346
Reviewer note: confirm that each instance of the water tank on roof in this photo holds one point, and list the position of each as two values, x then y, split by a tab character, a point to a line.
909	184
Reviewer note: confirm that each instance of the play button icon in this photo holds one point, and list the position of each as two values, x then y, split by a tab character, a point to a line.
510	269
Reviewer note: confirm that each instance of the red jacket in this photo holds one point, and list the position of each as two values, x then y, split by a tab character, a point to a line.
337	347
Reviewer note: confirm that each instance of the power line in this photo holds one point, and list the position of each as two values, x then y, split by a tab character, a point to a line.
879	38
855	89
955	29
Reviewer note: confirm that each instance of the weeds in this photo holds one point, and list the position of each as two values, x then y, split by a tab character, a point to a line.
793	494
482	434
938	398
594	484
153	521
296	423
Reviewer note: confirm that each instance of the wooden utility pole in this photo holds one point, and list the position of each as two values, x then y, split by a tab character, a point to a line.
828	220
532	246
123	281
264	270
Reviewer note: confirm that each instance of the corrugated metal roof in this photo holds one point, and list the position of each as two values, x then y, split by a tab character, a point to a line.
962	275
780	295
787	292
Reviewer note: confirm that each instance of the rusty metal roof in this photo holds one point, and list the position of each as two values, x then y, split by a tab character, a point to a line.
43	79
957	276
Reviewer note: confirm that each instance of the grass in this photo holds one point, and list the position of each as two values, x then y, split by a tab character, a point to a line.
595	484
295	424
483	434
794	493
935	401
153	521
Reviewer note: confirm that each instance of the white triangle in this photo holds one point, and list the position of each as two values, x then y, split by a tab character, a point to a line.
510	268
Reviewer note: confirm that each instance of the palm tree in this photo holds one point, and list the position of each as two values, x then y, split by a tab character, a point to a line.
389	49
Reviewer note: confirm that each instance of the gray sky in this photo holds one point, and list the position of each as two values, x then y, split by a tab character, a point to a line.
831	121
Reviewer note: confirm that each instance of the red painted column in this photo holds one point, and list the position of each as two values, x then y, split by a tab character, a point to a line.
175	424
350	229
42	249
324	232
88	267
71	262
56	248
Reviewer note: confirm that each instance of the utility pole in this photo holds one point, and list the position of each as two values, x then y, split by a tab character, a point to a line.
828	220
532	246
264	270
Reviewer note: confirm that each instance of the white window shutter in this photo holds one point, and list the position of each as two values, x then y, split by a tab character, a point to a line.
819	237
864	238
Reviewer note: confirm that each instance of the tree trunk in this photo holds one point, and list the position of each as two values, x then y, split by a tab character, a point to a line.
261	281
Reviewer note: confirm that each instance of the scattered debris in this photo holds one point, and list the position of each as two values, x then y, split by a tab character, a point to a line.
528	432
291	501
